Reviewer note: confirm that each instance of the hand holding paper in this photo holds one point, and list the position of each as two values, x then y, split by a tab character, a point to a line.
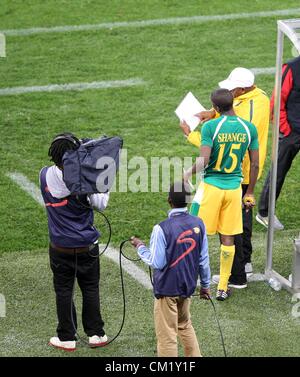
187	109
206	115
185	128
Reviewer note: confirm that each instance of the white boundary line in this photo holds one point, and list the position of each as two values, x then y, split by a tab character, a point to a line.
72	86
155	22
135	272
2	46
264	71
96	84
23	182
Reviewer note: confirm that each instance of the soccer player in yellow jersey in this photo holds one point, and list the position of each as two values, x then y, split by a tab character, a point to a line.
252	104
218	201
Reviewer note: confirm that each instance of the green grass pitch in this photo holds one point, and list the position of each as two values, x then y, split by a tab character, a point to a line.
171	59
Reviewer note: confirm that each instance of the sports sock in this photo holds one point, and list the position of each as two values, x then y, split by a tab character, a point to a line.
226	261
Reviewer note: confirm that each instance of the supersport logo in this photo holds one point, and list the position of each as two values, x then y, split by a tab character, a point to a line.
182	239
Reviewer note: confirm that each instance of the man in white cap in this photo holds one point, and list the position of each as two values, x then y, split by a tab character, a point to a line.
253	105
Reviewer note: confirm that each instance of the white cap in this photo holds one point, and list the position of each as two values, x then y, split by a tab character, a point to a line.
238	78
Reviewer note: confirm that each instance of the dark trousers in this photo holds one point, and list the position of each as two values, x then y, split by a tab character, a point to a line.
243	248
63	267
287	150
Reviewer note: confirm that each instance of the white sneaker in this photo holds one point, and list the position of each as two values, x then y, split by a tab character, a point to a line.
69	345
265	222
249	269
237	286
97	341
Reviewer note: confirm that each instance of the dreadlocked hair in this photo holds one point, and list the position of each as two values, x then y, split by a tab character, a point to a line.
60	144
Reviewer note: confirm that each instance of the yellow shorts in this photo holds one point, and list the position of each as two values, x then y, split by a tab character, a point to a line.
220	210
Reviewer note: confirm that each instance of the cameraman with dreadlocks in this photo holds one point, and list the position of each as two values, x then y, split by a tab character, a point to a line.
73	249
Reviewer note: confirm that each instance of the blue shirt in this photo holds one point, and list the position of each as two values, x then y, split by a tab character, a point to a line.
155	255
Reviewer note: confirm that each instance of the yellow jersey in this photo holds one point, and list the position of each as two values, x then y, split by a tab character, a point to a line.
254	107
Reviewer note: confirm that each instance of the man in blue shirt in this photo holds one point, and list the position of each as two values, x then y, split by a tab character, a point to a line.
178	254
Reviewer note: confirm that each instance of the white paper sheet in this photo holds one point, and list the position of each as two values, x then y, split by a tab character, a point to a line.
187	109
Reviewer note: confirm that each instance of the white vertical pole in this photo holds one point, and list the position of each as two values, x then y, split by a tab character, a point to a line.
275	137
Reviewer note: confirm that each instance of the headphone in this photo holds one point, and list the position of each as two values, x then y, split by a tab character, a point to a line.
67	136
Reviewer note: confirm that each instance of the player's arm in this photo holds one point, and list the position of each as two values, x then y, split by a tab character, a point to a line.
254	168
206	115
193	137
205	152
200	164
249	200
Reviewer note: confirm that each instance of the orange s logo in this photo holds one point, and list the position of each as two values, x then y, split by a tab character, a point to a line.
183	238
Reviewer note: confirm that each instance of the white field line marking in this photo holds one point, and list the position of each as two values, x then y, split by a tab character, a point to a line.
72	86
155	22
134	271
2	46
264	71
23	182
137	273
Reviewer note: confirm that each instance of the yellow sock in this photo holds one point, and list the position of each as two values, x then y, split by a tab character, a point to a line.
226	261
